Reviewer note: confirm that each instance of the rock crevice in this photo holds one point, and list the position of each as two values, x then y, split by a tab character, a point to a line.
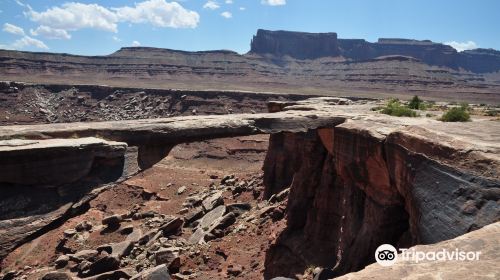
367	182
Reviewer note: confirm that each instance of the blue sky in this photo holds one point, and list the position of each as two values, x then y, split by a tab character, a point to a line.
93	27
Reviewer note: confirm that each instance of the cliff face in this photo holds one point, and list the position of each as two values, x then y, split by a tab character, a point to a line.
480	60
426	51
315	45
299	45
365	183
357	178
54	174
292	62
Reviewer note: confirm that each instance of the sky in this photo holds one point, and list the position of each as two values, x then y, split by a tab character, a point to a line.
90	27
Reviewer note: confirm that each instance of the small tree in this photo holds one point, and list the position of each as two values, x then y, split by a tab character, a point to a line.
416	103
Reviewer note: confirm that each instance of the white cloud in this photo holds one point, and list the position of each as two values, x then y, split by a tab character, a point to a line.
212	5
116	39
50	33
73	16
226	14
159	13
229	1
136	43
242	8
21	4
27	41
13	29
274	2
462	46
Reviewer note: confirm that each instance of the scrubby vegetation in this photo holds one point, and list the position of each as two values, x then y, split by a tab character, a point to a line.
417	103
457	114
395	108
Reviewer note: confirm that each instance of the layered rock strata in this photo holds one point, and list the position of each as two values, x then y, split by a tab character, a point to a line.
280	61
50	172
357	178
299	45
374	180
303	45
44	182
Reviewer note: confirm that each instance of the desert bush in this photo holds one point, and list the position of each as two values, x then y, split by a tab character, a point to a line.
394	108
417	103
457	114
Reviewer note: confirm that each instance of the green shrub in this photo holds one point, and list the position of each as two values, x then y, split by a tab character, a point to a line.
418	104
457	114
394	108
415	103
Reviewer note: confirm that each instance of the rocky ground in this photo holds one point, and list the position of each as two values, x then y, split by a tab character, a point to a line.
222	208
199	213
27	104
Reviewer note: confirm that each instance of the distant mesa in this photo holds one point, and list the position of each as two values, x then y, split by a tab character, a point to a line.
279	61
301	45
130	51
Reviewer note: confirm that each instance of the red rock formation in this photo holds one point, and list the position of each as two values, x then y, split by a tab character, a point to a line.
364	183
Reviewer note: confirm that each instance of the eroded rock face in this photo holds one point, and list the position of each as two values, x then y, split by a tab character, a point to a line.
299	45
282	160
357	178
330	193
49	172
371	181
302	45
53	162
41	180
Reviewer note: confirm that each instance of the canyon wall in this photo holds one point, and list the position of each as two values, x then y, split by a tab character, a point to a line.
49	172
44	183
365	183
302	45
480	60
299	45
280	62
357	178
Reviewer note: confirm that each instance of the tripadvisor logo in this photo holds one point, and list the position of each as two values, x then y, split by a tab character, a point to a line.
387	255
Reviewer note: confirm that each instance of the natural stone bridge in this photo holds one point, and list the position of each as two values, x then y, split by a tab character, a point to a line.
415	180
49	172
63	153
